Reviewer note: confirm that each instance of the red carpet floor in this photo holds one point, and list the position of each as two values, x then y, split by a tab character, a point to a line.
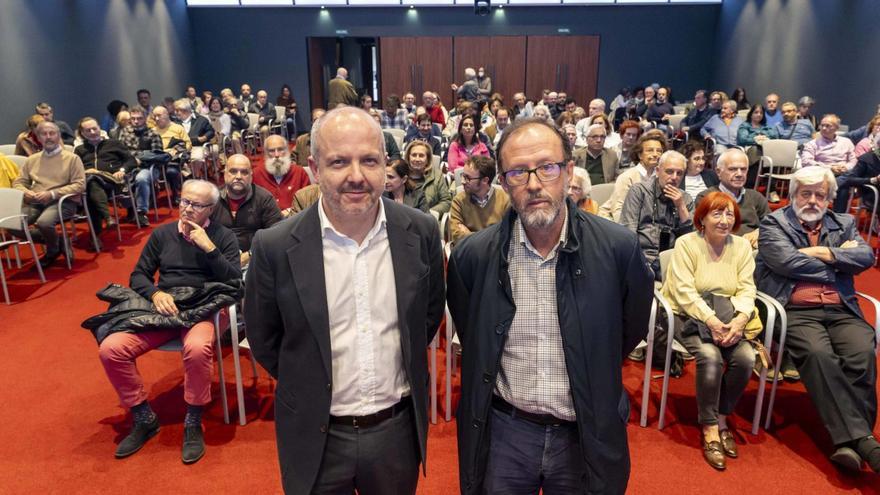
60	421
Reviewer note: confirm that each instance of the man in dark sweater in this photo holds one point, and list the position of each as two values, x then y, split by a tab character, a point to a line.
732	168
244	207
107	161
186	253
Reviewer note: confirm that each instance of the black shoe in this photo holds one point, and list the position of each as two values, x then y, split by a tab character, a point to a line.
91	247
140	433
869	449
142	218
49	258
193	444
847	458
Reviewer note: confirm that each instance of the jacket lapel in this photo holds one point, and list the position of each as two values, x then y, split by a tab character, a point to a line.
406	260
306	259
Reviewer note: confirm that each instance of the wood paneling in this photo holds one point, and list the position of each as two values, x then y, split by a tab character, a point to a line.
503	57
563	63
416	64
323	60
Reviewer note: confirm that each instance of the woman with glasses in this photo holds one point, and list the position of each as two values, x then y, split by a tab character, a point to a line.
710	287
646	154
400	188
579	191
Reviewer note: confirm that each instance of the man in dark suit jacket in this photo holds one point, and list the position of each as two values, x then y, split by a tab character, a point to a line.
200	131
546	303
341	91
342	301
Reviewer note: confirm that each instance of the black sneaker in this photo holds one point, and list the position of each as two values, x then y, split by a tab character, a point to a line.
140	433
193	444
49	258
143	219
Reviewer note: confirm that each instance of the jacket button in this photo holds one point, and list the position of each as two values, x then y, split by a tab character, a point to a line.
323	428
577	272
328	386
476	425
500	283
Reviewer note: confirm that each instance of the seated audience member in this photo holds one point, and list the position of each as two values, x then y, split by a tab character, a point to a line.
108	121
579	191
521	106
304	198
650	96
399	187
502	121
238	120
192	96
793	128
392	151
570	133
805	108
711	291
189	253
698	177
771	110
175	142
45	111
366	102
279	175
286	101
27	143
45	177
487	116
244	207
304	142
612	139
409	104
479	204
266	111
629	132
392	116
466	144
723	127
145	99
866	172
732	170
428	178
807	258
564	118
860	133
658	211
204	101
645	154
461	109
829	150
598	161
542	112
754	130
219	120
146	146
425	130
659	112
742	101
247	98
872	130
107	162
433	108
199	130
123	120
701	113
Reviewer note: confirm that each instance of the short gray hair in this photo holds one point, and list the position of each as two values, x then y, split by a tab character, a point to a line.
729	155
314	149
671	155
46	123
470	73
814	174
215	192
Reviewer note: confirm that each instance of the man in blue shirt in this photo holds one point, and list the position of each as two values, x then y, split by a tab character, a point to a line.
793	128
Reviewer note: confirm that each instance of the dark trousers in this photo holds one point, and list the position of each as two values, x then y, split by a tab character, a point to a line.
843	190
718	389
98	199
46	217
525	458
379	460
833	350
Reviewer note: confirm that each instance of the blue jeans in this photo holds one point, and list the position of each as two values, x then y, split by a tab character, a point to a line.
526	457
142	184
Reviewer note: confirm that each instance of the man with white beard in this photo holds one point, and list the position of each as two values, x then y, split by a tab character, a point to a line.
807	257
279	175
244	207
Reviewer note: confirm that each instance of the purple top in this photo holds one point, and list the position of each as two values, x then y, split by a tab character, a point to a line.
824	152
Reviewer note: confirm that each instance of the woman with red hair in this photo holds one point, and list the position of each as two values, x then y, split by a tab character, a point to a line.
711	290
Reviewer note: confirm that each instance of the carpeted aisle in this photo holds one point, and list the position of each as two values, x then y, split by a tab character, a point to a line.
60	421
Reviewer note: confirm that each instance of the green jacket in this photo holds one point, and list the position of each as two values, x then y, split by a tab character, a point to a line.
436	191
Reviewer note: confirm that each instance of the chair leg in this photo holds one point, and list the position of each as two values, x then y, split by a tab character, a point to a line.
450	349
665	391
30	241
168	191
68	249
220	366
3	282
780	349
762	380
116	216
433	385
153	194
91	226
649	360
236	361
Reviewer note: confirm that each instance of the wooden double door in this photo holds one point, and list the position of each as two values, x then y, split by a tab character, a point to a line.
515	63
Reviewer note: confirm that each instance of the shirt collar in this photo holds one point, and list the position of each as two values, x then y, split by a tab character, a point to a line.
328	228
739	198
183	233
54	152
643	171
521	237
482	203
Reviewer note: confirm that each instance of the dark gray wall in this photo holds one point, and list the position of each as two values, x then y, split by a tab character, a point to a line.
79	55
639	44
825	49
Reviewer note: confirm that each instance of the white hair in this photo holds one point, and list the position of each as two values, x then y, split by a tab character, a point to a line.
215	192
729	155
598	101
470	73
811	175
584	176
671	155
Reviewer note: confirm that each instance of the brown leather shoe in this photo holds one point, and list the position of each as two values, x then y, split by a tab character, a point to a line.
728	444
714	454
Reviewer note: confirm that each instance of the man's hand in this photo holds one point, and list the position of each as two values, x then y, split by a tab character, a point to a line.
199	237
665	118
164	303
674	194
30	196
455	87
752	237
119	175
286	212
849	244
43	197
838	168
245	258
821	253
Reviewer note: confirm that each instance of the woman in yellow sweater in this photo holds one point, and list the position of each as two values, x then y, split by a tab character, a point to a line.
710	287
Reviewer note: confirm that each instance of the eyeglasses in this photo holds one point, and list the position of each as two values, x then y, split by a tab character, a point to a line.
198	207
545	173
466	178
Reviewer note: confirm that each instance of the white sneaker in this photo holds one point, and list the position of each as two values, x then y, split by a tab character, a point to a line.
774	197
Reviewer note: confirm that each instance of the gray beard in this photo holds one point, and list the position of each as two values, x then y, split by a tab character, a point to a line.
278	167
809	217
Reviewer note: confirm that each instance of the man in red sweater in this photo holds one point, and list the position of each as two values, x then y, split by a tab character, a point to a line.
433	108
278	174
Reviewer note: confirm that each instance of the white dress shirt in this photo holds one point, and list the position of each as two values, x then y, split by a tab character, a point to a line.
368	373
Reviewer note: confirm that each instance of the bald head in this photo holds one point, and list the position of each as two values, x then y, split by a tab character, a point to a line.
341	121
342	72
273	141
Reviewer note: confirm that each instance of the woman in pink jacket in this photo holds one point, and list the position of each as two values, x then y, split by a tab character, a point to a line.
466	144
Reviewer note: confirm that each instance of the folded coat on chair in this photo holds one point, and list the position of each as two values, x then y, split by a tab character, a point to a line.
131	312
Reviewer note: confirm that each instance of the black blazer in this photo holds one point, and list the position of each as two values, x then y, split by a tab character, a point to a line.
200	126
288	326
604	297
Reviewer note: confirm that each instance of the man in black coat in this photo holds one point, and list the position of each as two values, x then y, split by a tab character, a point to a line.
342	302
546	304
